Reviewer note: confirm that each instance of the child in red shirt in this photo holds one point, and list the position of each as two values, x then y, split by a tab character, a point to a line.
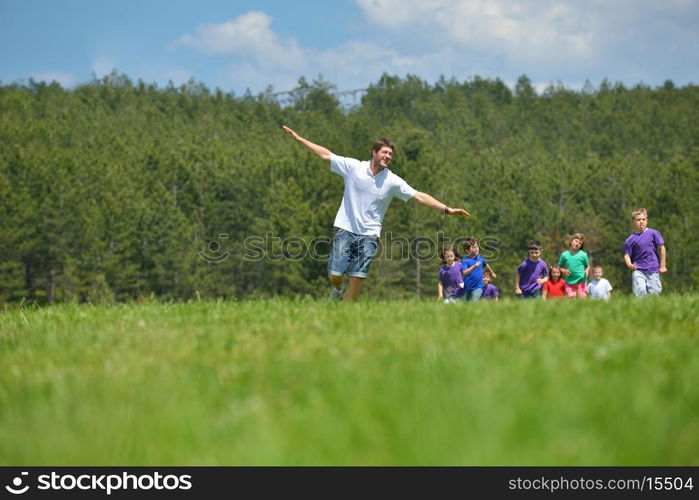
555	286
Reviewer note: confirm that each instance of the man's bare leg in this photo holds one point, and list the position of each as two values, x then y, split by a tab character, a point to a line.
335	281
353	289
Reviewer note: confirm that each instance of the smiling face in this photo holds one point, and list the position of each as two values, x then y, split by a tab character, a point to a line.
382	158
449	257
597	273
555	273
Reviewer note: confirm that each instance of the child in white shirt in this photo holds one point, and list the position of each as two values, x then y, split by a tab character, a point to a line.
599	287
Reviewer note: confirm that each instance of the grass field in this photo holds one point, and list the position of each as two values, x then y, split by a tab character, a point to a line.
306	382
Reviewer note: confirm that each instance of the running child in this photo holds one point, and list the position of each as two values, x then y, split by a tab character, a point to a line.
575	267
599	287
532	273
490	292
450	284
472	266
645	256
555	286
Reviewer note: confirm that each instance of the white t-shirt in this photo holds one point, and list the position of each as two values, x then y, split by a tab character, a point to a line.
599	289
366	198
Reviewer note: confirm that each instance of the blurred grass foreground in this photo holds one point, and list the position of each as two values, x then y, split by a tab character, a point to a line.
372	383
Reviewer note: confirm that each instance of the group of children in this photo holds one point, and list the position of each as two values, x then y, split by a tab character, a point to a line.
470	278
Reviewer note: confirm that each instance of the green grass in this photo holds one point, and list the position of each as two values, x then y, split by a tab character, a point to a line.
284	382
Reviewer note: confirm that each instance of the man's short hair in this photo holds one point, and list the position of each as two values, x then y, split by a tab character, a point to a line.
381	143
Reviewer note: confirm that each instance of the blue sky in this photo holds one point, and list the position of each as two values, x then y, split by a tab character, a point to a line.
239	44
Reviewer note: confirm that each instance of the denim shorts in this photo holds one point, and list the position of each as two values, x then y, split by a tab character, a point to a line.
644	283
352	253
472	295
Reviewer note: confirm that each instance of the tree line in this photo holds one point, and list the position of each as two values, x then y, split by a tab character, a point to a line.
119	190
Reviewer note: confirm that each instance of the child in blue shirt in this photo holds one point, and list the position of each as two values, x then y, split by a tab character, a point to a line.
472	266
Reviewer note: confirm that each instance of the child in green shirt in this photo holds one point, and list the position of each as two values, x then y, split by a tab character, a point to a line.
575	266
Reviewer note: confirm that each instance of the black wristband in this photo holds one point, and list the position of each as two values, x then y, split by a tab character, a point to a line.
445	209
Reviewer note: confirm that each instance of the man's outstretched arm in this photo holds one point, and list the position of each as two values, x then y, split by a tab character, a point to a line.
429	201
320	151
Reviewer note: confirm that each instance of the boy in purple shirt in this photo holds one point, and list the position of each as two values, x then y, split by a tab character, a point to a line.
644	255
490	292
532	273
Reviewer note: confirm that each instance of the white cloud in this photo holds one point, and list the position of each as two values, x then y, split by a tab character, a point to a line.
248	36
527	30
549	40
351	65
354	61
570	40
258	57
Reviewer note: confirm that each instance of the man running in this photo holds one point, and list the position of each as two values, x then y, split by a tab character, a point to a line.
369	188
